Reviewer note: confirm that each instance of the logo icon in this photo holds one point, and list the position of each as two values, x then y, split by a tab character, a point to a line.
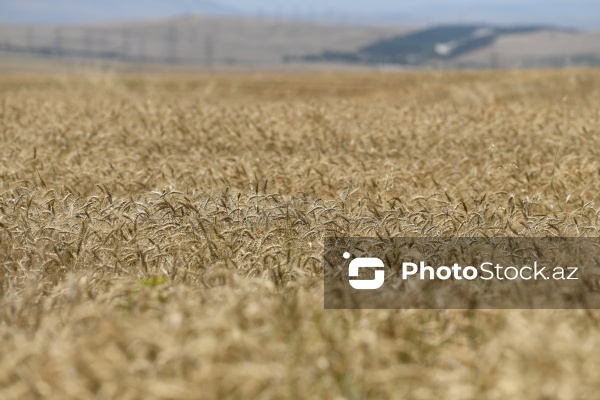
365	262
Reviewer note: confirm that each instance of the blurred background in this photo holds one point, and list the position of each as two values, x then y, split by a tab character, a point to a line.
235	34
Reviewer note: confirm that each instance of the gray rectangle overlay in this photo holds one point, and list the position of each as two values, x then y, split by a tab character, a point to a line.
462	273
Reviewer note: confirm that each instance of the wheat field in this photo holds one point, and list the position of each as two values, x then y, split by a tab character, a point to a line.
161	237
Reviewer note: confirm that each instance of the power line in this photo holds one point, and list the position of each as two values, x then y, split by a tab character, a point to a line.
58	41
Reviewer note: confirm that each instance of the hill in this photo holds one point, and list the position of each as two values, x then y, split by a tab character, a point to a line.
451	42
248	42
191	39
541	48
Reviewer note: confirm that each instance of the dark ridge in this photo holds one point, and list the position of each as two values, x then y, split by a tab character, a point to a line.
421	47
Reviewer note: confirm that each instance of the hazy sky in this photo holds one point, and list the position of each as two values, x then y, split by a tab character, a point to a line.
574	13
378	6
568	13
349	6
